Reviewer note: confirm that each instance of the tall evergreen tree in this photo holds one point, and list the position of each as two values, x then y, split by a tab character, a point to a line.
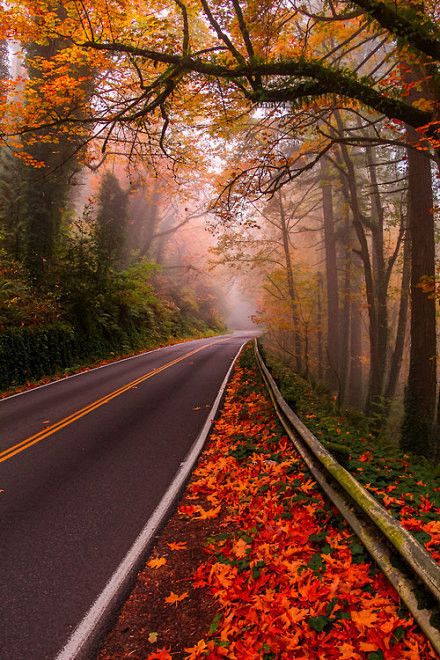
47	186
111	223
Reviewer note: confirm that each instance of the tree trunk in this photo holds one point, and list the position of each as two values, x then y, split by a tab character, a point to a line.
381	279
290	285
346	307
354	394
331	271
320	352
376	369
396	357
418	428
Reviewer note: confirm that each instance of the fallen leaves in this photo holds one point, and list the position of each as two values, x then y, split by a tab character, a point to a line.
196	650
289	578
187	510
239	548
177	546
173	598
161	654
206	515
157	563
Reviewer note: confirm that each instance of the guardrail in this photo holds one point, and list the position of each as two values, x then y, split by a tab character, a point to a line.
408	566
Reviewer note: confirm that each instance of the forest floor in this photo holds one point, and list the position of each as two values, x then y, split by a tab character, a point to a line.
256	564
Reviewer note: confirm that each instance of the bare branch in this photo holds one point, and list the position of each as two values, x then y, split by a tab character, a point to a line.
221	35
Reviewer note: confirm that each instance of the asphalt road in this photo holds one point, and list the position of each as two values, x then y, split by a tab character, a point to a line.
83	464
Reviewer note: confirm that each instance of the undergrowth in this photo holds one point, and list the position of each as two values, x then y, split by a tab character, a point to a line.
407	485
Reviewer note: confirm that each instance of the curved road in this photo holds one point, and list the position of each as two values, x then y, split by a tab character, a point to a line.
84	462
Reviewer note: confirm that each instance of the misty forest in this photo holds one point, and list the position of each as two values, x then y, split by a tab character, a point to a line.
179	169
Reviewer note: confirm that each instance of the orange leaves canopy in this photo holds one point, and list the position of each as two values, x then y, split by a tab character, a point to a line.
159	73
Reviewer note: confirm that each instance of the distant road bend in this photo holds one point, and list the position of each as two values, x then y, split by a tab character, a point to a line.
84	464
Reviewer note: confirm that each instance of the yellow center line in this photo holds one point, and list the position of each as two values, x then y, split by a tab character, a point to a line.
32	440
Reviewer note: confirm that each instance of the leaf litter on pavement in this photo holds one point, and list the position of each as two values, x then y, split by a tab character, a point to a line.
266	567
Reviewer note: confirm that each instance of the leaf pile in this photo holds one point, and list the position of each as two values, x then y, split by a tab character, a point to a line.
291	580
287	577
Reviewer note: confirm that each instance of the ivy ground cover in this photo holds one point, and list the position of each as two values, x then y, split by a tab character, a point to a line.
272	572
408	486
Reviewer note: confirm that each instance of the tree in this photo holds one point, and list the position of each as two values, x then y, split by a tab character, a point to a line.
419	430
111	224
220	60
51	154
241	57
332	284
11	201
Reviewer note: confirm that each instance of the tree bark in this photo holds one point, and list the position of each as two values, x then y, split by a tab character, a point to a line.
355	392
331	270
290	284
418	428
396	357
381	280
319	333
346	304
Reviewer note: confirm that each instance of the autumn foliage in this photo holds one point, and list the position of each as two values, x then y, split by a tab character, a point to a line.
247	98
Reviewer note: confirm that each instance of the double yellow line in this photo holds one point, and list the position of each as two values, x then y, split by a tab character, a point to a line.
25	444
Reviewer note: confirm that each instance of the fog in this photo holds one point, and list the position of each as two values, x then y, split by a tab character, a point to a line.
240	310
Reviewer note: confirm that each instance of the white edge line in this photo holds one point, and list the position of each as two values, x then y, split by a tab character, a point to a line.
102	605
102	366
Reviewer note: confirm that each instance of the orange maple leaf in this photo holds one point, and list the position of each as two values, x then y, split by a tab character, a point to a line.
187	510
161	654
173	598
297	614
364	618
366	647
224	573
389	625
157	563
211	513
177	546
199	577
239	548
196	650
347	651
307	486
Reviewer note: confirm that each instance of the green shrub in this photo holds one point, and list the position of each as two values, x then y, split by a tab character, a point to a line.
29	353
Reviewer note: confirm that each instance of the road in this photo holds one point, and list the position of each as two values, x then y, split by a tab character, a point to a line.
83	464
